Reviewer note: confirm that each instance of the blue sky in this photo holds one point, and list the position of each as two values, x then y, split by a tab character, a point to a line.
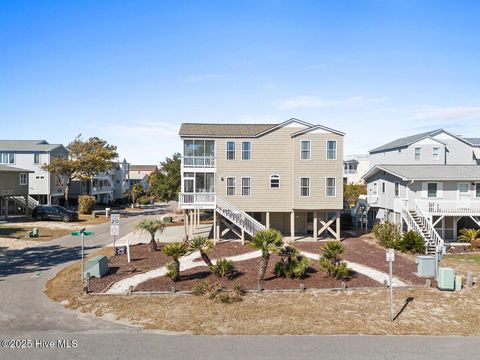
132	71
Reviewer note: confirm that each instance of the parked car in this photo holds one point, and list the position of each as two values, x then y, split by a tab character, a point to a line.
54	212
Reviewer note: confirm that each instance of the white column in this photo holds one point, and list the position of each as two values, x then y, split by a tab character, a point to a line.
215	234
267	220
315	225
185	224
292	225
243	237
219	234
338	226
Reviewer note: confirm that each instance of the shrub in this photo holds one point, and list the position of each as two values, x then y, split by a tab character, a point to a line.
172	271
86	204
292	264
224	267
469	235
387	234
411	242
144	200
238	289
167	219
475	244
200	288
330	261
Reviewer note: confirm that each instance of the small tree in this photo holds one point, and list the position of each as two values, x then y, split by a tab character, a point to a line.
351	192
202	245
175	251
152	227
65	170
137	190
291	264
268	241
387	234
469	235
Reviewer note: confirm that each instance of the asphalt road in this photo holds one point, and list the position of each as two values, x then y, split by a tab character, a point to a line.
27	314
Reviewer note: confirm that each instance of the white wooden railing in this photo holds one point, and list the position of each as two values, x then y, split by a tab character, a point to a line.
197	199
237	216
449	207
428	226
32	203
198	161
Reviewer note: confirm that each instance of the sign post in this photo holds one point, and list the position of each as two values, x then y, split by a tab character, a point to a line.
83	233
390	254
114	228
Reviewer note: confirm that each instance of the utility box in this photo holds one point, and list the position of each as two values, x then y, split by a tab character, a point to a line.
425	265
446	279
34	233
97	266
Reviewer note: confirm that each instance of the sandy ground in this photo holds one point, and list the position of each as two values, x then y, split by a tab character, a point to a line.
18	243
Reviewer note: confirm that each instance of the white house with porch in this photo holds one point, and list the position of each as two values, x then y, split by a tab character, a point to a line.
429	182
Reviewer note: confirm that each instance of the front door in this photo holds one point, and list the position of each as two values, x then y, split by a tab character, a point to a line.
464	195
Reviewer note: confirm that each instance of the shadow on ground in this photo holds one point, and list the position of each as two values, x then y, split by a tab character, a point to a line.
38	258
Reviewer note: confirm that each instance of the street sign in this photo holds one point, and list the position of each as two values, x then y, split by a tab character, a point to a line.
115	224
390	255
86	233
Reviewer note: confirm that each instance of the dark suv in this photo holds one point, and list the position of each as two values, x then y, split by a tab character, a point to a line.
54	212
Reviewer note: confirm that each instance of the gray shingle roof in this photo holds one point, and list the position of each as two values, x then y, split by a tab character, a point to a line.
405	141
431	172
475	141
27	145
224	130
143	167
6	168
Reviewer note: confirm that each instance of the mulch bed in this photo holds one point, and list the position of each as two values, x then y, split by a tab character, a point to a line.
246	274
228	248
363	252
142	259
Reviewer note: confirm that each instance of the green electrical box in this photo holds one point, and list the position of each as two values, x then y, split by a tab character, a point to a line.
97	266
446	279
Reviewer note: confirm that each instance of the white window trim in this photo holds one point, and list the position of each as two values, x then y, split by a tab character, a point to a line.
419	153
250	151
234	150
26	179
395	186
330	196
234	185
438	188
475	191
249	187
326	150
34	156
309	186
438	153
309	150
458	190
279	181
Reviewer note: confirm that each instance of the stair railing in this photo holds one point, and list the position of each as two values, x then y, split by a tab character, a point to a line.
237	216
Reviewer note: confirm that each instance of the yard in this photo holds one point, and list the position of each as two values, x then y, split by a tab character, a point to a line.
429	311
22	233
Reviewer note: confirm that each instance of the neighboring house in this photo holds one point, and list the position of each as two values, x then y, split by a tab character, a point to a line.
139	174
13	190
106	186
428	182
44	188
285	176
354	167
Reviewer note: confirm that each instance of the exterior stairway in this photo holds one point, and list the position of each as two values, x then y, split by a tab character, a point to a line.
236	216
425	232
20	200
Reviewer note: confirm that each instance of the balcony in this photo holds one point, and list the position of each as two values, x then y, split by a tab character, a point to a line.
466	207
197	200
198	162
96	190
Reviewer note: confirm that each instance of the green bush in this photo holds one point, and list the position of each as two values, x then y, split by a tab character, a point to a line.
86	204
144	200
330	261
291	264
200	288
167	219
224	267
411	242
387	234
172	271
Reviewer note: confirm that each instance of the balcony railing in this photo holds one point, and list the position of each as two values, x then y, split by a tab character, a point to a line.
197	199
198	161
350	171
101	189
449	207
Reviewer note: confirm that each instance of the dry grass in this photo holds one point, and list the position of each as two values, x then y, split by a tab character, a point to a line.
431	312
90	220
463	263
22	233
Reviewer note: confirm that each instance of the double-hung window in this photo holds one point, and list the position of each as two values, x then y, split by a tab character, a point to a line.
477	190
330	187
36	158
230	150
397	189
383	187
417	153
23	179
230	186
435	153
7	158
246	186
305	150
304	186
246	150
331	150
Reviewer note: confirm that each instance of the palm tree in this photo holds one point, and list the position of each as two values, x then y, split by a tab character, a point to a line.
151	226
469	235
269	240
137	190
332	251
203	245
175	251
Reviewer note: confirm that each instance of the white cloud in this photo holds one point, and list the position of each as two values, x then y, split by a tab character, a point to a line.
318	102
